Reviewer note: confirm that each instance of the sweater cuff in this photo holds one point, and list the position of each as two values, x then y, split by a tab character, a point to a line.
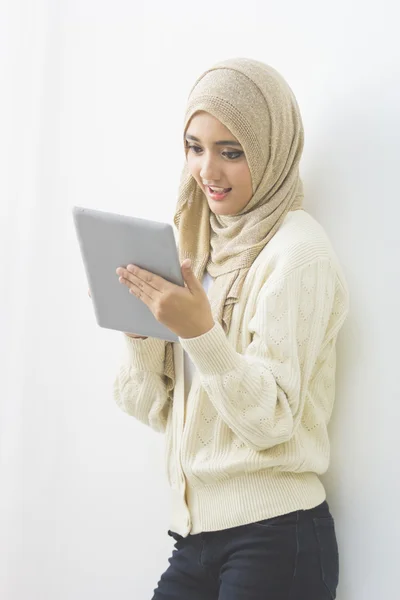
146	355
211	353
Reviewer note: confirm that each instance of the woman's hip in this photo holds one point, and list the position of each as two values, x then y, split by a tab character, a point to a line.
293	556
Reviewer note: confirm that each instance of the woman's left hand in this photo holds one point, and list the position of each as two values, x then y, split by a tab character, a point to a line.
184	310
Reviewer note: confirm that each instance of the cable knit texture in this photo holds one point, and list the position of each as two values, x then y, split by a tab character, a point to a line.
251	438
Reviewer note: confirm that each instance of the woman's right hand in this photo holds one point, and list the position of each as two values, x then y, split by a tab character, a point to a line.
131	335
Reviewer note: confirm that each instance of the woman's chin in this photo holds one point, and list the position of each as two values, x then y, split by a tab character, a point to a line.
220	208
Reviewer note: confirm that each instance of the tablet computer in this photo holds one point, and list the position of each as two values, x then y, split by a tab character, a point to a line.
108	241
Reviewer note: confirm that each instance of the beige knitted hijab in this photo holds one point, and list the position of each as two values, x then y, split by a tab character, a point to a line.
259	108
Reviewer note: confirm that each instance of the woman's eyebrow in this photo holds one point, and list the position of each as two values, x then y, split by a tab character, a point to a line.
220	143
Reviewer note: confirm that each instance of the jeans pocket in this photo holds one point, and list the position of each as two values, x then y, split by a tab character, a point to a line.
328	551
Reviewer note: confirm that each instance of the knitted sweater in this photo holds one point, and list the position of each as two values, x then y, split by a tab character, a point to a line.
251	439
189	367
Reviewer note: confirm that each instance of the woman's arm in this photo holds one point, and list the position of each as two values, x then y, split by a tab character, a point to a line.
142	387
260	394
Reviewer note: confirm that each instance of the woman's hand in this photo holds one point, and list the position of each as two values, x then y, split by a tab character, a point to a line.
184	310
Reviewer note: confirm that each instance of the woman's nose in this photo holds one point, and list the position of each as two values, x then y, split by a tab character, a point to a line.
209	171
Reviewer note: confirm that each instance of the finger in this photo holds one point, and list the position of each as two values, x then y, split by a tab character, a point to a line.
151	279
190	278
137	291
137	288
143	285
89	293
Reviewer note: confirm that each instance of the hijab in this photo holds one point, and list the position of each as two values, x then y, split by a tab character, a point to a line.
259	108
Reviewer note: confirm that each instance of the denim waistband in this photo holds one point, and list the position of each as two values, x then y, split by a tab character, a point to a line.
322	510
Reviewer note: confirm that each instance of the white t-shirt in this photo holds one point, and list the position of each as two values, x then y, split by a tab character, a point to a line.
188	365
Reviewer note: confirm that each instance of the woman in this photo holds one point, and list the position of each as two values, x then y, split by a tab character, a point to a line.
246	396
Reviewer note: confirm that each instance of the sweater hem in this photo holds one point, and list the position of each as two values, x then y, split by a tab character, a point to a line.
244	500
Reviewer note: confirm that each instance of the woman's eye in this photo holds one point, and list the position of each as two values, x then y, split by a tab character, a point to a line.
230	155
233	155
192	148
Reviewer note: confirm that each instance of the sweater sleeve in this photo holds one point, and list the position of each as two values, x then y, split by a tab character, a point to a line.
260	395
140	388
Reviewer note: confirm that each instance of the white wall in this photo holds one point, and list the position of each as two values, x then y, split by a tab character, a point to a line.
93	108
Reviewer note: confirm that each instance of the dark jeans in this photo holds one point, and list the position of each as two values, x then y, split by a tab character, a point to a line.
289	557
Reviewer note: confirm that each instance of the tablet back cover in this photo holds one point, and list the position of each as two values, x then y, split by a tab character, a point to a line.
108	241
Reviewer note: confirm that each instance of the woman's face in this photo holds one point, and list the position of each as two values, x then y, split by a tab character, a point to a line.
216	158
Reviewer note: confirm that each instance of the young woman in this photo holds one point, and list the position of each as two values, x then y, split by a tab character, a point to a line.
246	395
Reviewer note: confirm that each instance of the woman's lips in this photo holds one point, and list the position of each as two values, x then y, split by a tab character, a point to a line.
217	196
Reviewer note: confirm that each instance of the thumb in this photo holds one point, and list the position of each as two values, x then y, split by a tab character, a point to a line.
190	278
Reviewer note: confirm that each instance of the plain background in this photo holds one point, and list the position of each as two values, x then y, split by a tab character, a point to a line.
91	112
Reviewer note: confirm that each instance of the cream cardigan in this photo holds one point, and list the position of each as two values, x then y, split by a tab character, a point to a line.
251	439
189	367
